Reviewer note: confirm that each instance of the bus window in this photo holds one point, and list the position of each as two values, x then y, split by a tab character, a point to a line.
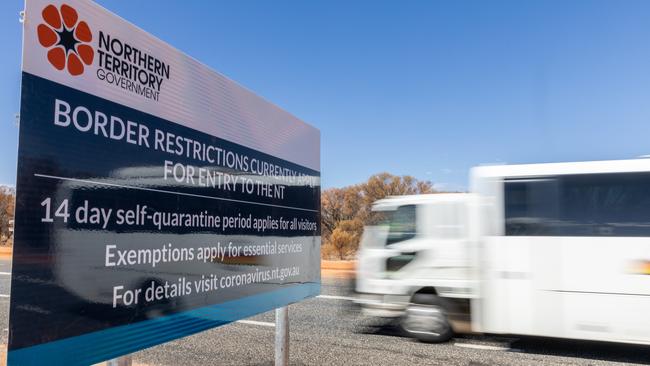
402	224
613	204
606	205
530	206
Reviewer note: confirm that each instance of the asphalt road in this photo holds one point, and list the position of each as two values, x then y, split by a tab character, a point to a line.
328	331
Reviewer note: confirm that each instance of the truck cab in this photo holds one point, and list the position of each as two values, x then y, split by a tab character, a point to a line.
416	263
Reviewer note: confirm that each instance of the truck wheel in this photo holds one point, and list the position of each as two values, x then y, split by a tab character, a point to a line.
426	319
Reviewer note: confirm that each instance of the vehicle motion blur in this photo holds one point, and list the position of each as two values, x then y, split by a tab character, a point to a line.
553	250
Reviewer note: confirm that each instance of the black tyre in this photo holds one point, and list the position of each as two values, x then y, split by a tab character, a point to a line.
426	319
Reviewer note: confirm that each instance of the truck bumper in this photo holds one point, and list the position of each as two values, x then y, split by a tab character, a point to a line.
384	306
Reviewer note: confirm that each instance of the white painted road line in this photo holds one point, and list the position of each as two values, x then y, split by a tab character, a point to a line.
333	297
5	273
253	322
267	324
481	347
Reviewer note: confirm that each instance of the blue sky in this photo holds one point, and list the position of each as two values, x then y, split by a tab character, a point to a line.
426	88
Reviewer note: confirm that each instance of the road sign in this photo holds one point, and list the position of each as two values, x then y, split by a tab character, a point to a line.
155	197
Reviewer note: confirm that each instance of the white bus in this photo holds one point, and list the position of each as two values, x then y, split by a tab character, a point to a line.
553	250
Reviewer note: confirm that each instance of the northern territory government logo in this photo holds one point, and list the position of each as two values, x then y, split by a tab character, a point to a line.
66	38
68	43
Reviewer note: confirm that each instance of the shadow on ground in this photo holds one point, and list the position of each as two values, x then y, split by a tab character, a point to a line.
597	351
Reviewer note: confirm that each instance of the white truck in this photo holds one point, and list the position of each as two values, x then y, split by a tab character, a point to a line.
553	250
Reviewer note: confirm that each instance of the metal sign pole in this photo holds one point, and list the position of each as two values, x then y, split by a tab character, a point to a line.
120	361
282	336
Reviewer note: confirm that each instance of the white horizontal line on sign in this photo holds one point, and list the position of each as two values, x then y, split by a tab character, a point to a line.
3	295
333	297
253	322
5	273
165	191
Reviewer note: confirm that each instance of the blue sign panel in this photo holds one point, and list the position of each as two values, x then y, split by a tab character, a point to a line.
153	207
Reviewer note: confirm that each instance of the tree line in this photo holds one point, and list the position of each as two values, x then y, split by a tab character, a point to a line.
7	204
344	211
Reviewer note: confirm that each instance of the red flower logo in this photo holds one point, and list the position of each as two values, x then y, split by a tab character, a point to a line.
66	39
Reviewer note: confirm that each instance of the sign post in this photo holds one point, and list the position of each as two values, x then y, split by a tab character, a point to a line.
156	198
282	336
120	361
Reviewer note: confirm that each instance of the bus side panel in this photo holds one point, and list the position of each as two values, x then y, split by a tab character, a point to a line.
516	269
606	287
607	318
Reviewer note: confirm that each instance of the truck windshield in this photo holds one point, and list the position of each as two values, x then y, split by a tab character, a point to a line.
401	223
